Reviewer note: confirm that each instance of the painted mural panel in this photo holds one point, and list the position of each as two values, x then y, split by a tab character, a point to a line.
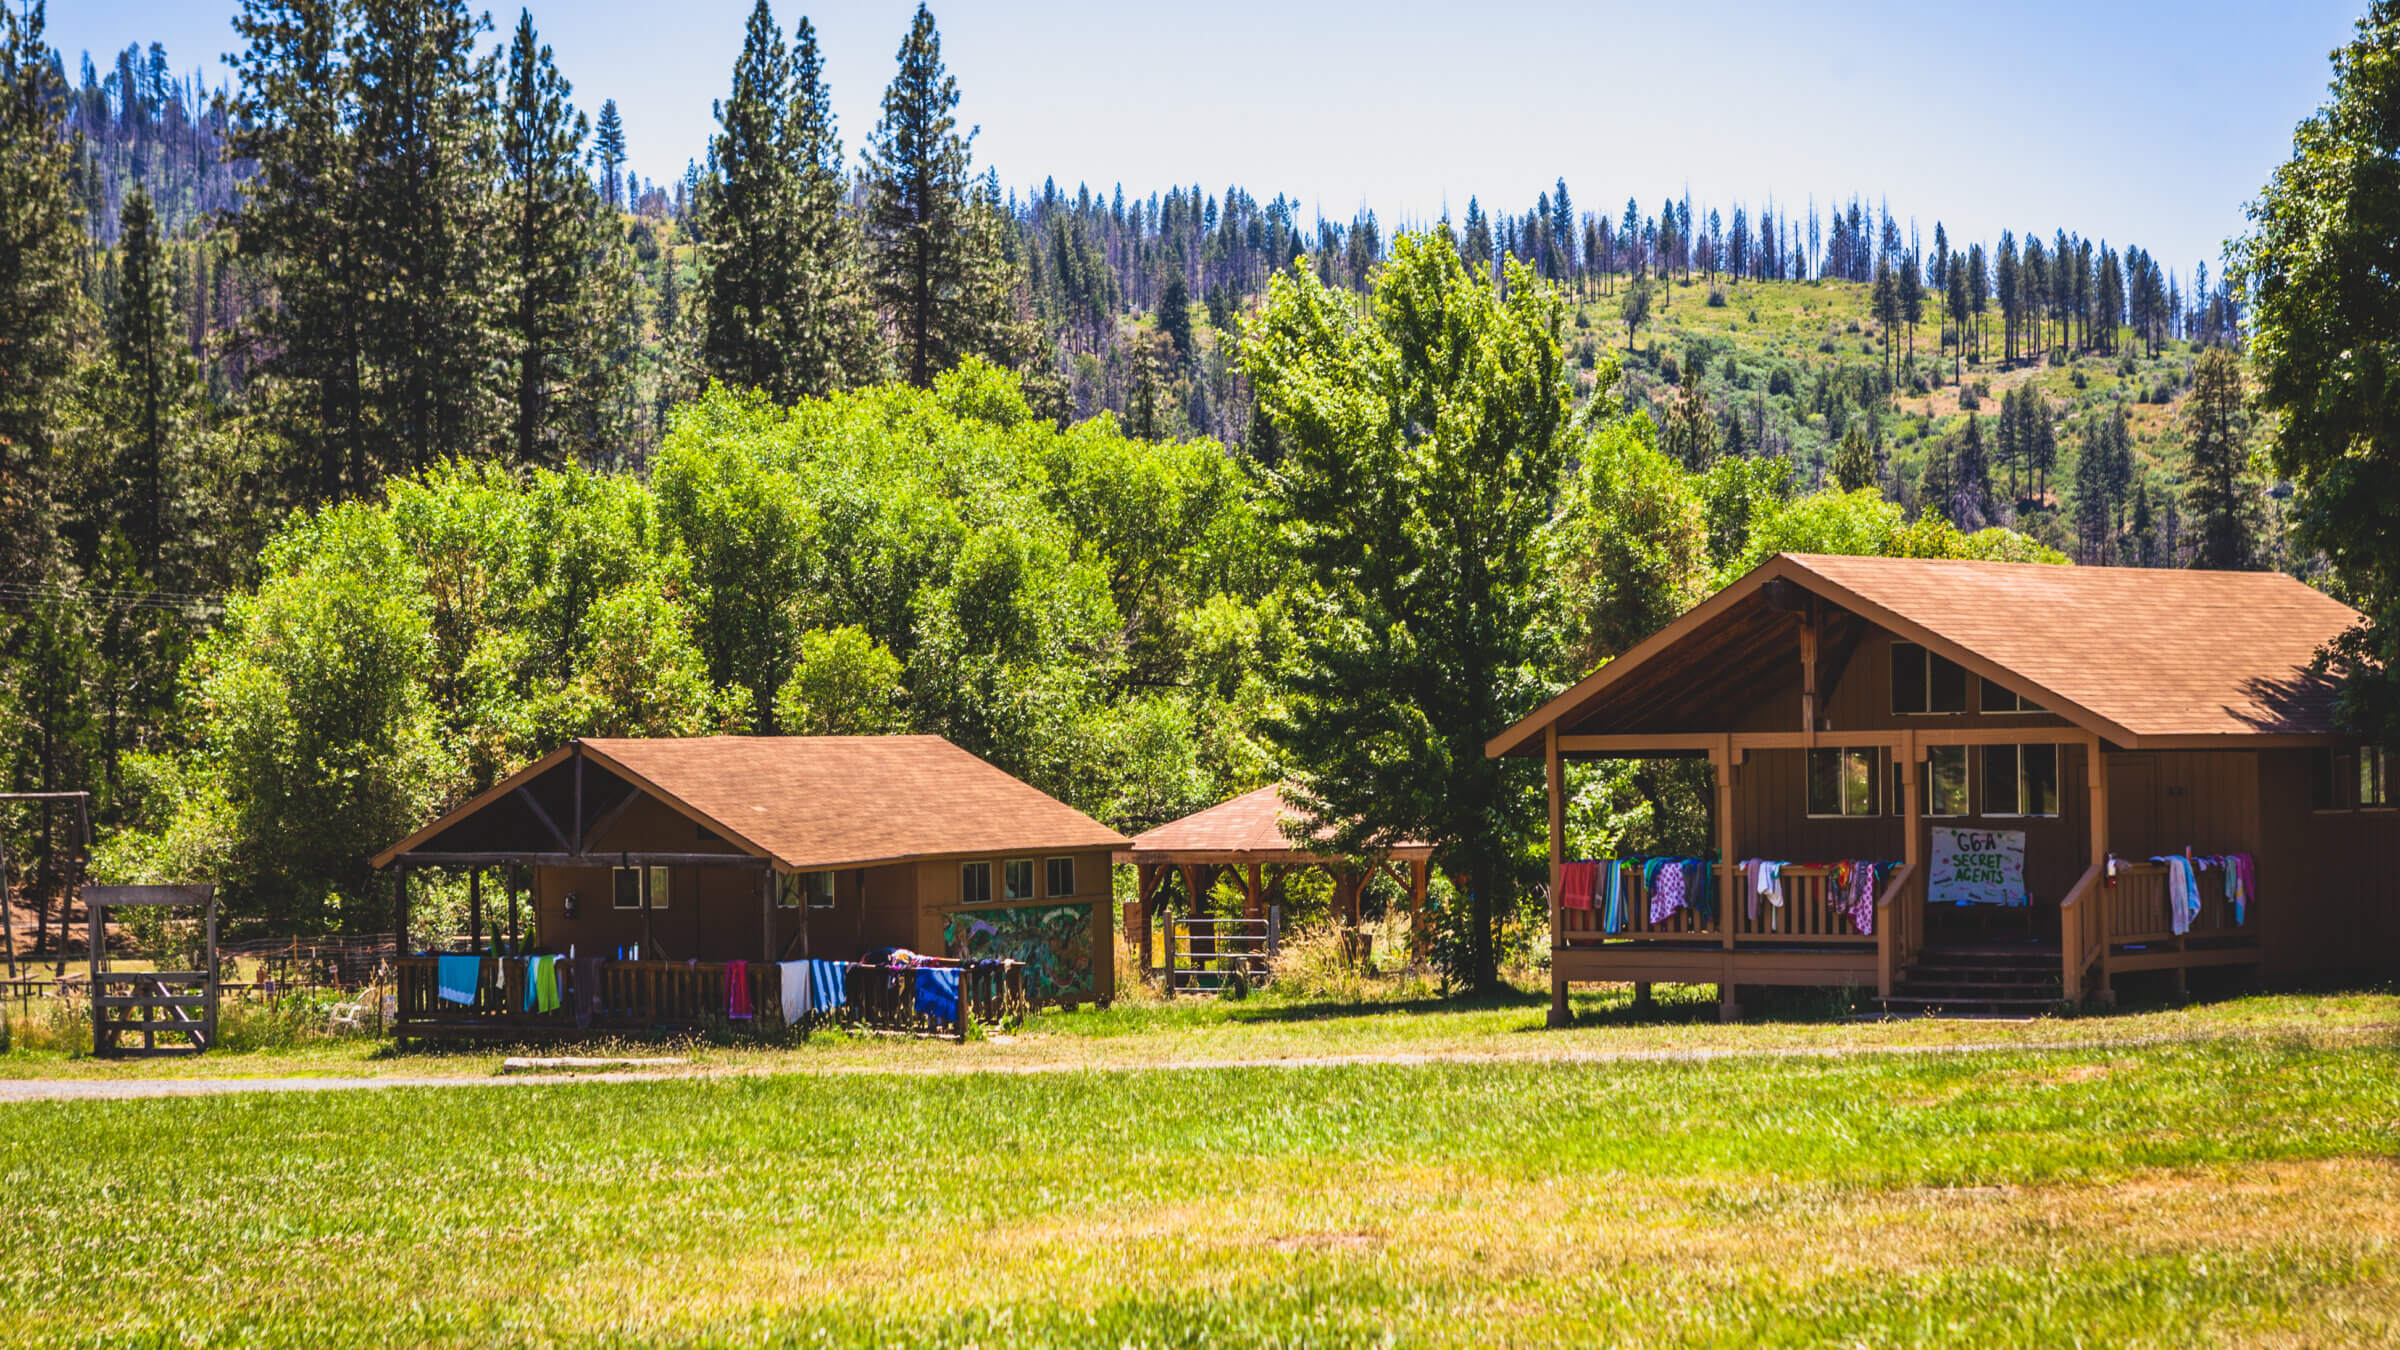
1054	941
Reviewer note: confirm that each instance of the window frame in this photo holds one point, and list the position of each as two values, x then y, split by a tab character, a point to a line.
1873	777
800	890
967	888
1050	868
1925	681
659	892
1966	784
2326	780
2380	775
2022	781
1008	880
1983	700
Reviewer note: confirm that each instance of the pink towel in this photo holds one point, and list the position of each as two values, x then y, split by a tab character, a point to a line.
1575	884
737	990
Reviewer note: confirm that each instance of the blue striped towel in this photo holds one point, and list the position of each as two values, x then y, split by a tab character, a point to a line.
457	978
937	993
828	985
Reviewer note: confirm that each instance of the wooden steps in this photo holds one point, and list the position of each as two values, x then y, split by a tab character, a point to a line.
1980	979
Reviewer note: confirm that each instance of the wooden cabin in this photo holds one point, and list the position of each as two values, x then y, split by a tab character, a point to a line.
1911	712
670	858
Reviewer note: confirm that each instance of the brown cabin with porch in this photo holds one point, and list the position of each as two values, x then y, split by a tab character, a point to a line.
1851	707
672	857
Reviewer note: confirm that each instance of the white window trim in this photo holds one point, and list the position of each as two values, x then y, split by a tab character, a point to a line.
1032	880
2385	761
2027	710
659	892
1967	770
1892	695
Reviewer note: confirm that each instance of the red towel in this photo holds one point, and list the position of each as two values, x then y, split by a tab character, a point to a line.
1576	883
737	990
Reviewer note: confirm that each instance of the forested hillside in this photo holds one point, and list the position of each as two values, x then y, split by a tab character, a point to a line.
370	425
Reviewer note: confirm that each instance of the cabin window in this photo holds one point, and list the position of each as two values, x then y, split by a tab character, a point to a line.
625	887
1923	682
1062	876
1999	700
1841	782
813	889
1946	780
2324	780
1019	878
2374	777
975	884
2020	780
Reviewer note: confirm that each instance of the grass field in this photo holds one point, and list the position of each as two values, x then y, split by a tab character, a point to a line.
2237	1188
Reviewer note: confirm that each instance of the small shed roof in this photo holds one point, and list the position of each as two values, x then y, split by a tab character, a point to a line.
2144	657
1248	828
812	802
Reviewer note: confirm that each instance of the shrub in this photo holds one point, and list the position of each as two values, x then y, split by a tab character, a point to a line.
1716	298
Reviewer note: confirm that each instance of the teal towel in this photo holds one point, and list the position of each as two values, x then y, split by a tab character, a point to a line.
457	978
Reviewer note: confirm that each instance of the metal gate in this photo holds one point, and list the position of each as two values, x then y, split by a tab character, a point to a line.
1204	955
181	1004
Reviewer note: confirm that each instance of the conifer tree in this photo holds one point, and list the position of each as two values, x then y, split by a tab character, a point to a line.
1853	462
41	306
608	142
2222	500
1971	479
549	218
940	275
752	201
154	379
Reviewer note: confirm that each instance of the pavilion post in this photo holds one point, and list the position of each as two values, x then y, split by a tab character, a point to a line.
400	907
766	916
475	910
1889	952
1729	1003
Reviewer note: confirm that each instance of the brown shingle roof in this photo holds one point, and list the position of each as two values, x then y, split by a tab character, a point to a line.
810	802
848	801
1251	823
2139	656
2154	652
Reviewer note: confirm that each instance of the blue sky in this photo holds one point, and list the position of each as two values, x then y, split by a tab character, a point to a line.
2145	123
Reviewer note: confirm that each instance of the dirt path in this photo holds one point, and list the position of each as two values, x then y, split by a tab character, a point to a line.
118	1089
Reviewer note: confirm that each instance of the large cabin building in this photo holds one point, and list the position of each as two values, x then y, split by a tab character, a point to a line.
2004	748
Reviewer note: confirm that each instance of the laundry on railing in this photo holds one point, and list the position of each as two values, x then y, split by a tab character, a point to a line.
737	991
458	979
1577	884
937	992
1679	883
1762	879
1851	888
829	985
541	984
2183	884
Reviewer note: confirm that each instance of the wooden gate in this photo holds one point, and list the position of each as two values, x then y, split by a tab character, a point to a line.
152	1003
1204	955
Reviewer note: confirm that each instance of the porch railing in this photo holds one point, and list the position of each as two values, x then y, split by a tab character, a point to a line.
2135	911
642	996
1809	914
1578	927
2083	930
1899	925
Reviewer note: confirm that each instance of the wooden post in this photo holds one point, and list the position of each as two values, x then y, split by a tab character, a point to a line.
1555	778
8	924
208	954
92	925
2097	775
1420	876
1888	951
1251	888
1170	953
516	934
766	916
1729	1003
400	906
642	880
475	910
1808	676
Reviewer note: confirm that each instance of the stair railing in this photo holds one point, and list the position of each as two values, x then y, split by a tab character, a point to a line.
2082	931
1899	926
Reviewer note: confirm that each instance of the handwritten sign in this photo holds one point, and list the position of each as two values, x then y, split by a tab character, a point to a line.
1978	867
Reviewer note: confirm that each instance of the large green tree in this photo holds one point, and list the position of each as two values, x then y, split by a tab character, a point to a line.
549	215
942	275
2321	263
42	310
2222	495
1423	439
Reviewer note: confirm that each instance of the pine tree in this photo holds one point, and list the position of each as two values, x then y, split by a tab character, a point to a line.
1854	462
752	201
940	275
2222	499
154	378
608	143
549	218
1937	484
1887	313
422	218
42	310
1971	480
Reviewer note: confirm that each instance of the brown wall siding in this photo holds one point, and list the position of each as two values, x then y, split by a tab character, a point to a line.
1861	698
2329	881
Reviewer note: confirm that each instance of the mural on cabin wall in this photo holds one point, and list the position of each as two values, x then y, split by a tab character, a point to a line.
1054	942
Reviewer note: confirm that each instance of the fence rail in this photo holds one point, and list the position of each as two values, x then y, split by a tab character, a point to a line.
1205	955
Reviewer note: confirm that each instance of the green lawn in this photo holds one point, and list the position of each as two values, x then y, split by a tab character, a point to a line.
2232	1190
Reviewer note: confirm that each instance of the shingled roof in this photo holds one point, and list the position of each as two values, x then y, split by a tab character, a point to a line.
1248	827
2143	657
810	802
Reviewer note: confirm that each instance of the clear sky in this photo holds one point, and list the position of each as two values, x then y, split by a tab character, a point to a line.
2146	123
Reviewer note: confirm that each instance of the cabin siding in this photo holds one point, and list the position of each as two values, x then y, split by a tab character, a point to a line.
2329	881
1856	695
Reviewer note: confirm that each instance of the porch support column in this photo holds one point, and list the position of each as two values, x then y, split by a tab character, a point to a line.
1557	781
1420	874
1808	676
475	910
2096	776
400	906
1729	1003
766	915
1888	947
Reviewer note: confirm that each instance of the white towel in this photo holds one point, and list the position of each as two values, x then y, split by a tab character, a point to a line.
795	989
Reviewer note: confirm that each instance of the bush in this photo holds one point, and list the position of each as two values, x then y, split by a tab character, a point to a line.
1716	298
2080	381
1779	381
1826	346
1968	399
1670	372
